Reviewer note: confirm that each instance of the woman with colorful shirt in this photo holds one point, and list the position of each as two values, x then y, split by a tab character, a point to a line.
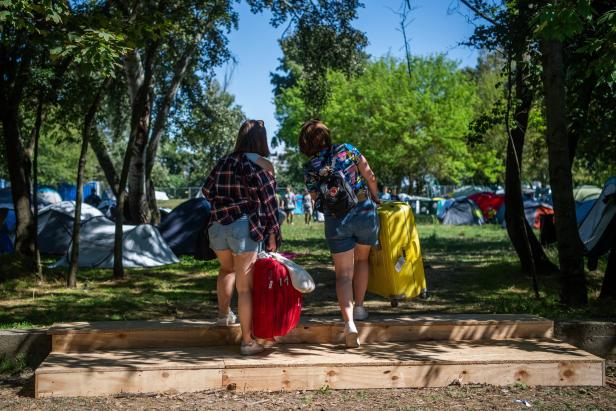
350	237
242	191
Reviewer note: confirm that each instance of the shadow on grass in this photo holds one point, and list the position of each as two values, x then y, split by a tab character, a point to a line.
472	269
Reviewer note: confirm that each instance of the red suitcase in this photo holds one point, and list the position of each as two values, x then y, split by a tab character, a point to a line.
276	305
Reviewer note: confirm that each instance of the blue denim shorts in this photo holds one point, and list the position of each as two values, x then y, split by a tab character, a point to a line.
234	237
359	226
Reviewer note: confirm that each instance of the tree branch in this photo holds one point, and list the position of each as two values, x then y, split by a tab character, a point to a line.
478	12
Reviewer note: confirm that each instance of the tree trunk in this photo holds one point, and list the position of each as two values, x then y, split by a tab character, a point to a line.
573	280
137	197
140	119
104	159
37	135
18	165
532	256
162	113
71	279
608	288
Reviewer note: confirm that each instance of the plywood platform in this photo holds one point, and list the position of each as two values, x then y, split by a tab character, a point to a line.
84	337
313	366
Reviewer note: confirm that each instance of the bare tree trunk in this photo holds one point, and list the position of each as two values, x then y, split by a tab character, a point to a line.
18	165
140	120
37	136
570	248
532	256
104	159
162	113
608	288
137	195
71	279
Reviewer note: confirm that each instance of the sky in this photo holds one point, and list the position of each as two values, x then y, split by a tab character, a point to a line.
437	26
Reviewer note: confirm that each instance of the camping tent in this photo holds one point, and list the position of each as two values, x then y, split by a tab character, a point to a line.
534	210
183	228
582	208
55	225
143	246
586	192
463	212
593	229
6	198
489	203
47	196
466	191
6	245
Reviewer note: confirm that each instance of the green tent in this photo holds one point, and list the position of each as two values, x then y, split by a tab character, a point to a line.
586	192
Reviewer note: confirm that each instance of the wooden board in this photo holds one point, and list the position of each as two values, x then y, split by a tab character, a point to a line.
83	337
313	366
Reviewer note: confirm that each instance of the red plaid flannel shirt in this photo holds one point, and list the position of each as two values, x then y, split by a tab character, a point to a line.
235	187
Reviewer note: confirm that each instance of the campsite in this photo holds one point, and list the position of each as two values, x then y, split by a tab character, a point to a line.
300	204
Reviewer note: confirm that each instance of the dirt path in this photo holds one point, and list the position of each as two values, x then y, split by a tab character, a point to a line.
16	394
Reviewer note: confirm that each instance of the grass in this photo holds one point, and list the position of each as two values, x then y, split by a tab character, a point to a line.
469	269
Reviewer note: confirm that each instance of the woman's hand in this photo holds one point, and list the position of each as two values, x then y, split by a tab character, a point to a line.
375	198
271	243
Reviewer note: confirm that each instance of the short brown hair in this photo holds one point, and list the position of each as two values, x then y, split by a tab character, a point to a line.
313	137
252	138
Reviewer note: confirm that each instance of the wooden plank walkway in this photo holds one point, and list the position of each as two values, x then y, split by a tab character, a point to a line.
313	366
84	337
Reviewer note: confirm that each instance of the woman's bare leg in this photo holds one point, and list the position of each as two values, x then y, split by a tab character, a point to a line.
343	264
225	281
243	265
361	272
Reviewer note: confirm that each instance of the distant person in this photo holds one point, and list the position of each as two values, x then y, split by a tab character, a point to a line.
349	237
385	196
394	195
307	206
289	201
242	192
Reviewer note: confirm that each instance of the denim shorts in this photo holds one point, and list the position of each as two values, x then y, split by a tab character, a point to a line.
234	237
359	226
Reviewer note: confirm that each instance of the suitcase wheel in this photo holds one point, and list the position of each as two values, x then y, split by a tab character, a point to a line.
394	303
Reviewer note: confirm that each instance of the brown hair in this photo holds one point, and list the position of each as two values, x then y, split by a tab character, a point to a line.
252	138
313	137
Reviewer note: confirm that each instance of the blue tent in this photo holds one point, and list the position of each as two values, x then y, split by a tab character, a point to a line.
582	208
6	245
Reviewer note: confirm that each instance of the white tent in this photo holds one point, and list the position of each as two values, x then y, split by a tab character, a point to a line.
143	246
592	228
55	225
48	196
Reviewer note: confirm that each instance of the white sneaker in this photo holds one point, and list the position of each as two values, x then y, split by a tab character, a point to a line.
228	319
250	349
360	313
351	335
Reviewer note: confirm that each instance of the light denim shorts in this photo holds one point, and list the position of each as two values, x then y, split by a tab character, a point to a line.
359	226
234	237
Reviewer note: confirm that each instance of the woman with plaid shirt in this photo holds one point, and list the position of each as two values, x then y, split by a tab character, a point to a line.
242	191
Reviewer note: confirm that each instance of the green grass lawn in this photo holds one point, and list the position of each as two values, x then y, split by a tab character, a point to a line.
469	269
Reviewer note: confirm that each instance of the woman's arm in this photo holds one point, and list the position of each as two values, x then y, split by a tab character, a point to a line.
368	175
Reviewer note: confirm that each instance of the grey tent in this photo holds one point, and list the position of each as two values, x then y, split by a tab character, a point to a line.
143	246
600	221
185	226
463	212
55	225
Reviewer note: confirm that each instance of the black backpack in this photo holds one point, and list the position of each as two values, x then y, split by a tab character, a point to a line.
336	196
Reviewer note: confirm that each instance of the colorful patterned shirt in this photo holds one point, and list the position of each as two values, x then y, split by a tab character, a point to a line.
236	187
347	161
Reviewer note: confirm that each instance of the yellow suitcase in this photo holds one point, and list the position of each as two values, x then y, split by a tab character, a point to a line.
396	266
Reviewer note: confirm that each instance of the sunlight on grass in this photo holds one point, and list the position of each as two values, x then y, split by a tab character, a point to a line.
469	269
